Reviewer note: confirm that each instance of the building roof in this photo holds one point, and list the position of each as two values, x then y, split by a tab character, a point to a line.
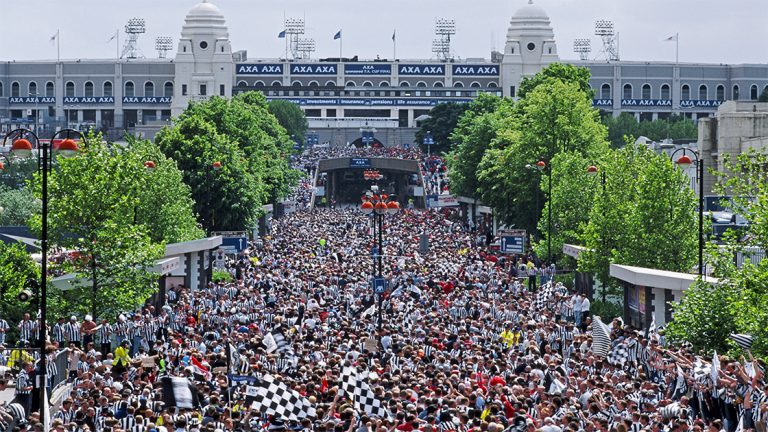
530	11
654	278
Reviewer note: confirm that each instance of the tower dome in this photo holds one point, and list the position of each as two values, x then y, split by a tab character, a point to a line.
204	17
530	11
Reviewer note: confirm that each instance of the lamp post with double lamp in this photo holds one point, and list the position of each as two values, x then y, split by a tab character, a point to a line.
592	170
684	162
379	206
23	145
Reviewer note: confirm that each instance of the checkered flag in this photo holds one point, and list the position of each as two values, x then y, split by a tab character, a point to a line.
543	296
619	354
274	398
361	394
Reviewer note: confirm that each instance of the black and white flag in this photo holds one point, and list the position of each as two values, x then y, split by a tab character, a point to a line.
363	398
178	392
742	340
601	338
275	398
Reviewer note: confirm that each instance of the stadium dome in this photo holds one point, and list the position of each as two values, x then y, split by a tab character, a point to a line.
204	16
530	11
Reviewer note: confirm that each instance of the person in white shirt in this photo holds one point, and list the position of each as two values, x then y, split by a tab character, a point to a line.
577	301
584	308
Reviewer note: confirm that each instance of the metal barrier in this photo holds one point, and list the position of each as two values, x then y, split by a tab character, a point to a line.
751	254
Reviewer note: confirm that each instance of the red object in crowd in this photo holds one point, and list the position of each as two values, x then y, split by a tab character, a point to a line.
497	380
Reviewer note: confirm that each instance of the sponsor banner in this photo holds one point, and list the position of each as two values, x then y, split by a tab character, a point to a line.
314	69
31	100
371	102
476	70
421	69
702	103
88	100
368	69
146	100
359	163
602	102
647	102
436	201
259	69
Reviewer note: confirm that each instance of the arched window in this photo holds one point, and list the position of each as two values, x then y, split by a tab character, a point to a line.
720	92
168	89
367	84
736	92
703	92
130	89
330	84
296	84
490	85
627	91
149	89
665	91
242	84
32	89
276	84
314	84
88	89
405	84
753	92
605	91
384	84
685	92
258	84
106	89
475	84
15	89
69	89
458	84
350	84
646	91
421	84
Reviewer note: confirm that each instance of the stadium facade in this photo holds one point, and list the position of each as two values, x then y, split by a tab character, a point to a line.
344	97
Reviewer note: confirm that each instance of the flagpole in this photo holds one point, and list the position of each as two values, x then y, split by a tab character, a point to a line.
394	45
58	46
677	48
117	44
341	43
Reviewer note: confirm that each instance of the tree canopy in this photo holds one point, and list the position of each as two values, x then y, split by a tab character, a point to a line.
290	117
441	123
626	126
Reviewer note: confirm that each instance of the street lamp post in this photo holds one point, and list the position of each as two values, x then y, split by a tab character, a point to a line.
429	141
541	165
22	147
592	171
379	206
684	162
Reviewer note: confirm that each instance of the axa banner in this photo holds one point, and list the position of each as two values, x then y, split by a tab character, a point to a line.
476	70
84	100
313	69
368	69
259	69
31	100
421	69
146	100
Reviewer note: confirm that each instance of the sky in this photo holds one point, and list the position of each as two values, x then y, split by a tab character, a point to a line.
710	31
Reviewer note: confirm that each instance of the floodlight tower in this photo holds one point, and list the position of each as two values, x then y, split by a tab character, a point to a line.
604	29
163	44
306	47
133	29
294	27
444	29
582	46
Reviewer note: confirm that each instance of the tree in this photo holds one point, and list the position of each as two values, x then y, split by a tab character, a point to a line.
644	215
116	217
474	132
227	199
558	72
17	273
763	96
18	205
441	122
290	117
554	117
626	126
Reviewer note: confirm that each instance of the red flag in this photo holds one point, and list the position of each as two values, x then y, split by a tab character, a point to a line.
201	369
324	385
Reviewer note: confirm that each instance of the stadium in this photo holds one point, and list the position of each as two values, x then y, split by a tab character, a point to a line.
344	98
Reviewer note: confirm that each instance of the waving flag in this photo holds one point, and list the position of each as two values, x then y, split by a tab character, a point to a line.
281	35
742	340
337	35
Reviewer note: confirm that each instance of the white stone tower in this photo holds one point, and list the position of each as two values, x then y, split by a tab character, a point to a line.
204	64
530	46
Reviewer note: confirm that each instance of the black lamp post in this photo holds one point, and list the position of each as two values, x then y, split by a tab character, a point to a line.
379	206
541	165
684	162
592	171
22	147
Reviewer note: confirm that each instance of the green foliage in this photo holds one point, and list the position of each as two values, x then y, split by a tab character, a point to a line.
738	302
606	310
763	96
252	147
18	206
644	215
558	72
626	125
474	132
117	216
16	174
221	276
441	122
554	117
290	117
16	270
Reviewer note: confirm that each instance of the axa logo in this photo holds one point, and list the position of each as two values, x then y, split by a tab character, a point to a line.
259	69
421	70
476	70
313	69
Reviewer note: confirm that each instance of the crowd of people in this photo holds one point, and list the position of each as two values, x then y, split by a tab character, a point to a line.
461	341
